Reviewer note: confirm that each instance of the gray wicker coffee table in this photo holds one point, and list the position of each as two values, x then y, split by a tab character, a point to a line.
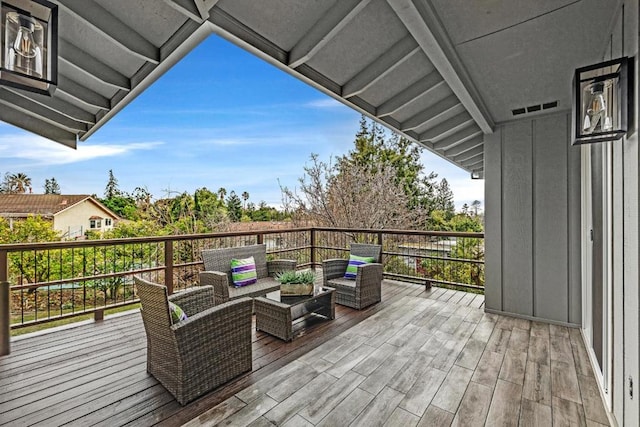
276	314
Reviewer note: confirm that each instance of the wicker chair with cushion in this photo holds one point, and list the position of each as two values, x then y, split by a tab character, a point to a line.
193	356
366	289
217	272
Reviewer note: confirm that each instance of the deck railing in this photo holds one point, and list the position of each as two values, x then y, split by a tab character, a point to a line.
51	281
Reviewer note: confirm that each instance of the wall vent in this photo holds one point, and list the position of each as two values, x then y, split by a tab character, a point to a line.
534	108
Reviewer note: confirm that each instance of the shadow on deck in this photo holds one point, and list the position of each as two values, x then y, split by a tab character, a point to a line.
416	356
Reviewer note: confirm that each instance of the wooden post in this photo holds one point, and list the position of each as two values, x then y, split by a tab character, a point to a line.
5	326
313	249
98	315
5	306
168	265
260	238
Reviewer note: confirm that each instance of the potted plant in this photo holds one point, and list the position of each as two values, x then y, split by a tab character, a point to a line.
296	282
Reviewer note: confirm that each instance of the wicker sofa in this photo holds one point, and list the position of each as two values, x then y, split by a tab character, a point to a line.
217	272
366	289
204	351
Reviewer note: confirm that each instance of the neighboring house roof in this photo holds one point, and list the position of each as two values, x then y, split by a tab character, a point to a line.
45	205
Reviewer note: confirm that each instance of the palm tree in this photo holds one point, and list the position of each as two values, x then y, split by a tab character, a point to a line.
476	205
19	182
245	197
222	192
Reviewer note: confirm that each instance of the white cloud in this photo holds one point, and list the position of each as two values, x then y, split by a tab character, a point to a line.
38	150
325	103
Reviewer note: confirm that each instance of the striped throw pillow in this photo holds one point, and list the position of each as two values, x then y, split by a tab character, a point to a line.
354	262
177	314
243	272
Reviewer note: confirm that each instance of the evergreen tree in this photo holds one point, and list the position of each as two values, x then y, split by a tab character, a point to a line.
234	207
112	190
51	186
444	198
372	146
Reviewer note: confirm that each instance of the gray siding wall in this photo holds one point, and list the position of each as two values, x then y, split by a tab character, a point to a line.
532	199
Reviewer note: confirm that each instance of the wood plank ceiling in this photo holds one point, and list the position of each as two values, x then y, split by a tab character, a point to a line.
414	65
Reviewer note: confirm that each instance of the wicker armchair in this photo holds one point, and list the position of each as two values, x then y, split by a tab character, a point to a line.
366	289
209	348
217	272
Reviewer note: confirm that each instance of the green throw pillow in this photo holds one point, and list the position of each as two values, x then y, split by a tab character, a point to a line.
243	272
177	314
354	262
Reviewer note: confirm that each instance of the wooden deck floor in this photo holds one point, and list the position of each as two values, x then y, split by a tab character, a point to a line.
417	357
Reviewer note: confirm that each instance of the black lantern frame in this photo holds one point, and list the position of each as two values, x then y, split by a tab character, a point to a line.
602	101
29	45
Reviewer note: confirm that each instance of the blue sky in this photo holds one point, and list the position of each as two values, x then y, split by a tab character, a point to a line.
219	118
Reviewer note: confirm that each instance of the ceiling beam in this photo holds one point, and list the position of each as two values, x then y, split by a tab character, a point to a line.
448	125
18	118
457	138
33	109
472	160
465	146
58	105
103	22
410	94
91	67
478	166
331	23
423	24
477	150
430	113
188	8
82	94
381	67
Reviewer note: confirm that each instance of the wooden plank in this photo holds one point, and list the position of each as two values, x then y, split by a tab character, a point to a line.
564	381
488	368
474	406
453	388
380	409
217	413
505	404
567	413
534	414
249	413
325	403
301	398
537	383
591	400
424	389
513	367
435	417
400	417
348	409
470	354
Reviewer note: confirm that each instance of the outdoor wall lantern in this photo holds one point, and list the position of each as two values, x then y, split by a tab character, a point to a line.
602	95
29	39
477	175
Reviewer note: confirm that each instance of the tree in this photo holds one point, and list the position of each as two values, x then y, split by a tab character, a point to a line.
245	197
444	198
16	183
475	205
51	186
234	207
222	193
112	190
354	195
373	146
